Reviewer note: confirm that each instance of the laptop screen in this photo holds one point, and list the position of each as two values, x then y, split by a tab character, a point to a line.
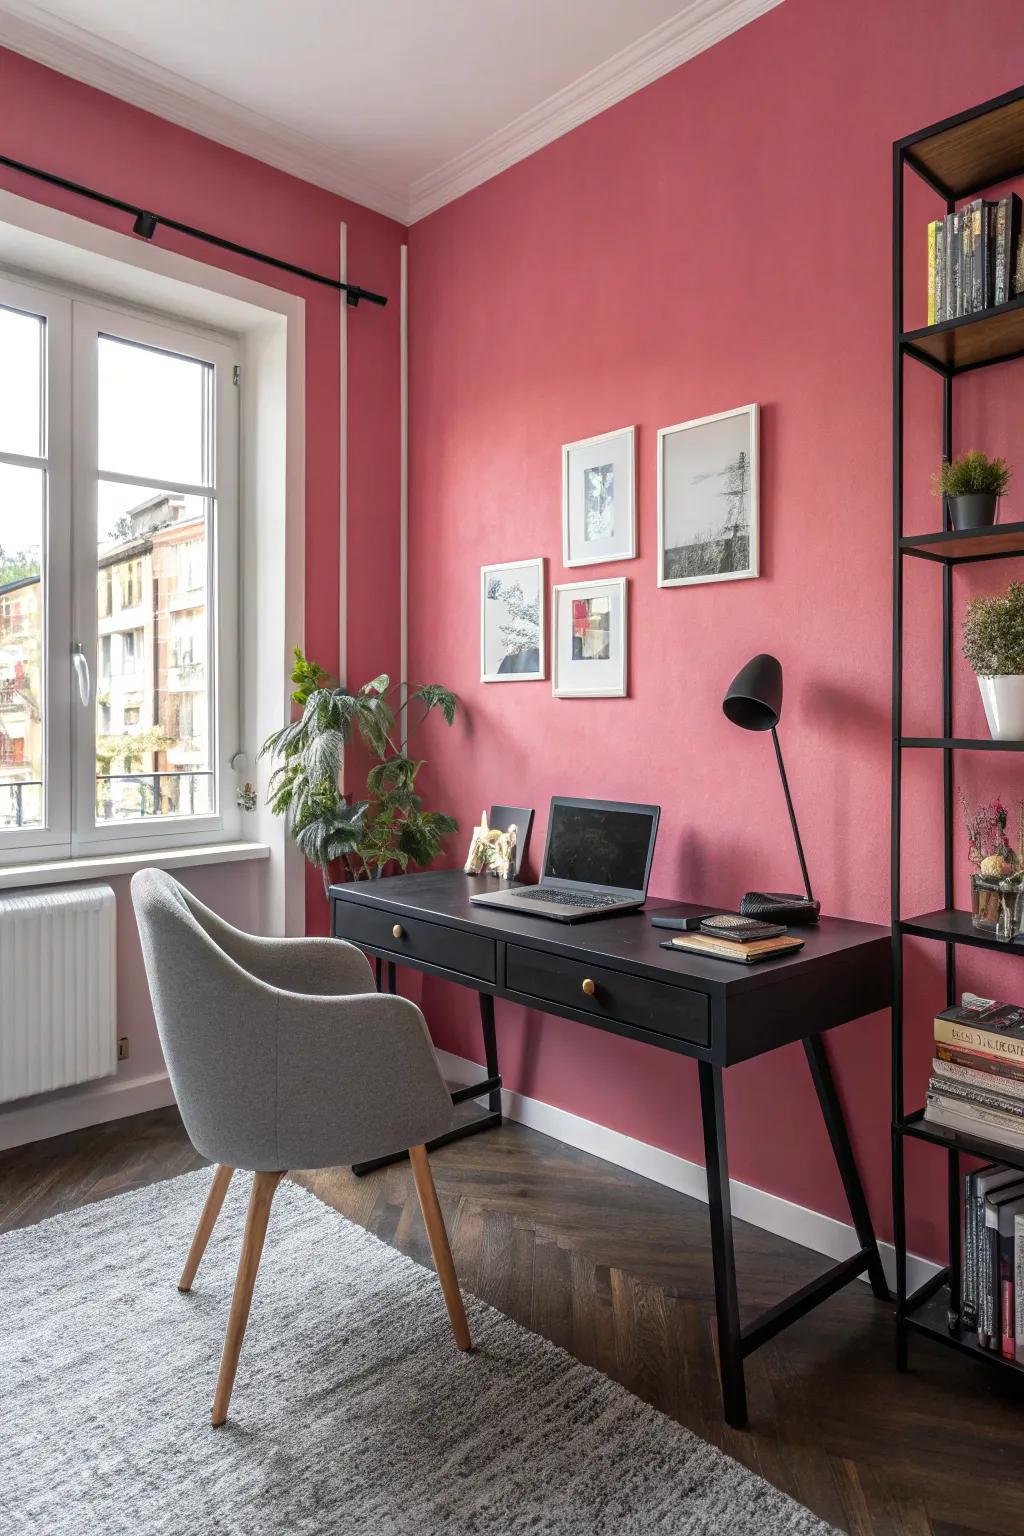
599	843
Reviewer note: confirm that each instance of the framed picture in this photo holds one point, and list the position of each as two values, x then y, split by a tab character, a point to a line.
599	499
707	499
588	641
512	622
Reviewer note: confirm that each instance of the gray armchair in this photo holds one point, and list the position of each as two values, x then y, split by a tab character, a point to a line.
283	1055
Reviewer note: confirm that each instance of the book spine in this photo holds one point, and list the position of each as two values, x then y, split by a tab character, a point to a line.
955	244
985	1286
968	1283
1016	247
969	1037
979	256
989	1124
966	247
1018	1288
1002	264
979	1260
985	1081
982	1061
1006	1292
966	1093
932	230
940	270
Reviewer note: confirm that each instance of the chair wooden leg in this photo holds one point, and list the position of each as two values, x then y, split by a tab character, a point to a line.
434	1223
211	1210
263	1188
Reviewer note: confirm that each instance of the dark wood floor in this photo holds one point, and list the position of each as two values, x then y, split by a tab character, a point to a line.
618	1271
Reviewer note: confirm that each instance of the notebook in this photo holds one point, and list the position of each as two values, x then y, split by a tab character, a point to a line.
725	949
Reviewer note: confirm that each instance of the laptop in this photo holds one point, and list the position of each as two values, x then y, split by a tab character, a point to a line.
597	859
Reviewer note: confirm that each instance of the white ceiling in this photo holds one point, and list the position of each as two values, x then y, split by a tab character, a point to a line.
399	104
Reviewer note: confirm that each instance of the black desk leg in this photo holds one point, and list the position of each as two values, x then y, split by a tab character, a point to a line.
490	1050
730	1354
835	1124
378	970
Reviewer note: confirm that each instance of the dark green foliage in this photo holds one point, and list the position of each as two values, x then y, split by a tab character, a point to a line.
972	474
993	634
388	828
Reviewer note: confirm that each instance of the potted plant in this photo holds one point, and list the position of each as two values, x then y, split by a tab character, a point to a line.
346	839
993	643
970	486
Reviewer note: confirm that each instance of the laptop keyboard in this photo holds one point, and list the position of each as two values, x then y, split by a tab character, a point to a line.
568	898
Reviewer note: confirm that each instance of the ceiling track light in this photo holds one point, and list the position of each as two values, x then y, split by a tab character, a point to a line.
145	224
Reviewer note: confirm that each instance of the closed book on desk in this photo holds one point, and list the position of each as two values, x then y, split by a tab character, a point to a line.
726	949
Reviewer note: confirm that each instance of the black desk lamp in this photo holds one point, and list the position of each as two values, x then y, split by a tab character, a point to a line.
754	701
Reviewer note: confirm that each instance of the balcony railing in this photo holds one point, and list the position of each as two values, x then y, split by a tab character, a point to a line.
169	792
21	803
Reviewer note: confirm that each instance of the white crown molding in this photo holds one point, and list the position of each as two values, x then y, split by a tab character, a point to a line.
696	28
30	30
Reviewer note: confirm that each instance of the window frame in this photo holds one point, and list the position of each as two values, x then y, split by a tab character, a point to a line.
74	323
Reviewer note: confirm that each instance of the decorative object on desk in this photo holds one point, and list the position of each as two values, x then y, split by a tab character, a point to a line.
519	816
993	643
388	829
997	898
754	702
491	851
742	953
599	499
512	622
588	639
708	499
970	487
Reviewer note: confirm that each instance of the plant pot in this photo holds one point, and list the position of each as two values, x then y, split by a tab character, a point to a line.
975	511
1003	698
997	907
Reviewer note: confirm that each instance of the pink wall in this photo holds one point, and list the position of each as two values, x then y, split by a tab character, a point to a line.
723	236
59	125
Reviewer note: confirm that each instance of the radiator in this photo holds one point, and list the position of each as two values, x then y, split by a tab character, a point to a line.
58	988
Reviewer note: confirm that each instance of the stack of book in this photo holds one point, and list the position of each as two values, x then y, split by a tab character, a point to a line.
992	1276
975	258
977	1081
745	940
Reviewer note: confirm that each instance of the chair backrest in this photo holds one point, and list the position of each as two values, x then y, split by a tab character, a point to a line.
218	1030
504	816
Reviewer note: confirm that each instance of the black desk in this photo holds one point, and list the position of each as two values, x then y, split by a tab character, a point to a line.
612	974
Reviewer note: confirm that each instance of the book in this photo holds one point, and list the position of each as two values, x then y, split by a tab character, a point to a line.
966	260
1018	269
1008	1212
985	1081
998	1030
940	270
990	1331
972	1120
953	245
981	1061
969	1093
978	224
986	1181
932	233
739	930
725	949
1007	230
969	1275
1018	1287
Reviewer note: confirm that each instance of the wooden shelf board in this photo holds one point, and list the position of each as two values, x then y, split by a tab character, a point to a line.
978	151
972	341
931	1319
951	926
970	544
965	1142
963	743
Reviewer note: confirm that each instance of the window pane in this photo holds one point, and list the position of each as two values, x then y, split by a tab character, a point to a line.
153	681
155	414
22	509
22	377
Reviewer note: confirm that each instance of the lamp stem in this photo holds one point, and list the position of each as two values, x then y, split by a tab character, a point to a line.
792	816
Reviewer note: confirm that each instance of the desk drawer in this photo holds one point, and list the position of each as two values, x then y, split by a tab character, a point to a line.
410	938
618	995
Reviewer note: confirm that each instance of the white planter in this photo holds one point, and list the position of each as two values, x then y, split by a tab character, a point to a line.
1003	698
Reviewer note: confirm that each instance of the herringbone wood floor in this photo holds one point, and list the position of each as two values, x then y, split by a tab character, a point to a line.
618	1271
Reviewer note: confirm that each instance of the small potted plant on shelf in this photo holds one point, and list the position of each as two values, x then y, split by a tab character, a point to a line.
997	884
993	643
970	487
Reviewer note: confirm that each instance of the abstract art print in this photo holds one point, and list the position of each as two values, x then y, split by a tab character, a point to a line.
599	499
589	640
708	499
512	622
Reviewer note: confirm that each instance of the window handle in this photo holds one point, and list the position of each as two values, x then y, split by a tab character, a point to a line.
81	667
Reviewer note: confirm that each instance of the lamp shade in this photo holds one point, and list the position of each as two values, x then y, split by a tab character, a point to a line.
754	699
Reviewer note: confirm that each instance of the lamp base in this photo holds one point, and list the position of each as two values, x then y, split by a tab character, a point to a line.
774	906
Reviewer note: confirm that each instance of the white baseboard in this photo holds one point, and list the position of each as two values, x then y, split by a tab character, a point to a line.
75	1108
822	1234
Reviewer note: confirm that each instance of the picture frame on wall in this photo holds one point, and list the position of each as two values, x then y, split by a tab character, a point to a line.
512	622
589	639
708	502
599	498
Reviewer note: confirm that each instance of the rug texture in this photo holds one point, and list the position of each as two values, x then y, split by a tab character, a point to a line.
352	1410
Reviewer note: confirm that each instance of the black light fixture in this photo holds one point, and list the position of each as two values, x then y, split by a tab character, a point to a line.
754	702
145	224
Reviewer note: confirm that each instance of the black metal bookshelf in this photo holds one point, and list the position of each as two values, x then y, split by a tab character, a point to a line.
958	159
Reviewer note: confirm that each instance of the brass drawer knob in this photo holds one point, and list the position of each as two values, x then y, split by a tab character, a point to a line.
589	986
396	932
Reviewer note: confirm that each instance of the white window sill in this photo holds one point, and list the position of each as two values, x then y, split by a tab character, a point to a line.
104	865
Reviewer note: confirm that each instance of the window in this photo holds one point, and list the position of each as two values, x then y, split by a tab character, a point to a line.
118	464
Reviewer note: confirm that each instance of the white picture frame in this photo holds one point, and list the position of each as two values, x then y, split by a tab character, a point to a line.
698	461
510	594
599	498
594	675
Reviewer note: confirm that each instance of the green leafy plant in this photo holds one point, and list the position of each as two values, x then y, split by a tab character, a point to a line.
390	826
993	633
972	474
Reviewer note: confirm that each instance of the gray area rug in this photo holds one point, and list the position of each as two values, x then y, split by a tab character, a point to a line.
352	1411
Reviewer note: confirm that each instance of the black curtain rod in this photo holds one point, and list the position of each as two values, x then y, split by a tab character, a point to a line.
147	223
